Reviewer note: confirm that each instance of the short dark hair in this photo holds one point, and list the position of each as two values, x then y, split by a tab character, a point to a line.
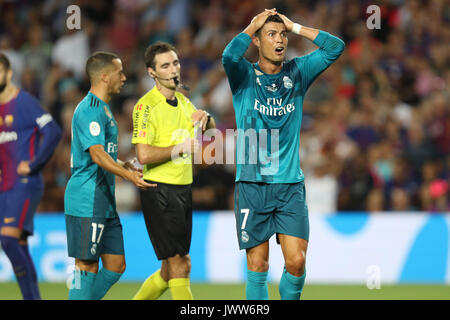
98	61
154	49
4	61
273	18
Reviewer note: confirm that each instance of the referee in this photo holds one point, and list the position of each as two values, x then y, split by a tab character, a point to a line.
163	133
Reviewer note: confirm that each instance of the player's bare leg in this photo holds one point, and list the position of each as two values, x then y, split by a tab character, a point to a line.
15	245
165	272
257	267
293	278
258	258
179	283
179	266
114	262
86	265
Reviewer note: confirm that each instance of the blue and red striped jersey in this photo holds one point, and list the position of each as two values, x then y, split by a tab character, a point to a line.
27	133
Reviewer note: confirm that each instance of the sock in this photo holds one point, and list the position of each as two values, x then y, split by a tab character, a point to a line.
82	284
32	271
152	288
256	286
21	267
104	280
291	286
180	289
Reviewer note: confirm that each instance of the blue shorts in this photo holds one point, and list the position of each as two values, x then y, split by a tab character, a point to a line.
263	209
18	205
89	238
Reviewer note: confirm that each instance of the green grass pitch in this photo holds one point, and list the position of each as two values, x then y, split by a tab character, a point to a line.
204	291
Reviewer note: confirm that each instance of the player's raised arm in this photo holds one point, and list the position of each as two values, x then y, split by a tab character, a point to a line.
330	48
236	67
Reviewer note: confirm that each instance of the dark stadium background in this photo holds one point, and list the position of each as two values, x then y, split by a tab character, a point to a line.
376	124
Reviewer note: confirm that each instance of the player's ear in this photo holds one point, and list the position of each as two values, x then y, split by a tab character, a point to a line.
104	76
151	72
9	74
256	42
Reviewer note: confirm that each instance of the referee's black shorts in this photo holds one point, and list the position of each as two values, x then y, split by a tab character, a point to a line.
167	211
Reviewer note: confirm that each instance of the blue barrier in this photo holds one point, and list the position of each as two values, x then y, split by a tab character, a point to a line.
343	248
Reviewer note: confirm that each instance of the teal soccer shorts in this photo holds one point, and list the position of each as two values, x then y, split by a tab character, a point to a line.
263	209
88	238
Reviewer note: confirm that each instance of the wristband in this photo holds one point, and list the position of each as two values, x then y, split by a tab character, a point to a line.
296	28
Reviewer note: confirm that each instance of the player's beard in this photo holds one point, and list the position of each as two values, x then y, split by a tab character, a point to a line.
3	84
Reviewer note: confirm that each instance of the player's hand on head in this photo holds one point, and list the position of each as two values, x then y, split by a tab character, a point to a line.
259	20
287	22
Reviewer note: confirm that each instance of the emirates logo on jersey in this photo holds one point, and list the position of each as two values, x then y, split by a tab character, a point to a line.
273	107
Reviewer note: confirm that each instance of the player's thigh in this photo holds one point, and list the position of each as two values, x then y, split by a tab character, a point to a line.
294	253
83	235
109	237
258	257
19	207
291	217
254	224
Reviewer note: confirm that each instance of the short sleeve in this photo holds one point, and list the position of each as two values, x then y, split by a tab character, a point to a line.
143	128
89	126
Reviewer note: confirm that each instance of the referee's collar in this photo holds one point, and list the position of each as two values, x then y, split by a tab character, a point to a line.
159	96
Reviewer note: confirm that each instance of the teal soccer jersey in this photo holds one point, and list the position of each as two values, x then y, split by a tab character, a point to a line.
90	190
268	109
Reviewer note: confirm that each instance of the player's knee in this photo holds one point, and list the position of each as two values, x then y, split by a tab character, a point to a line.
186	265
295	265
179	266
7	242
121	268
258	264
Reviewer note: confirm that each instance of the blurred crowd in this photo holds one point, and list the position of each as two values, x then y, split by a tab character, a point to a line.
376	124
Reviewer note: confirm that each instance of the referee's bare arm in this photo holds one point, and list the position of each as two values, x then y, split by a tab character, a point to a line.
104	160
148	154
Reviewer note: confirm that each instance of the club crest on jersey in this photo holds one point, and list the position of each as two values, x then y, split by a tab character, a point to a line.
9	119
244	236
272	88
287	82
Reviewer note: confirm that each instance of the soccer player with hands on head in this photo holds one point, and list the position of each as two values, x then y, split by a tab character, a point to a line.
268	98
